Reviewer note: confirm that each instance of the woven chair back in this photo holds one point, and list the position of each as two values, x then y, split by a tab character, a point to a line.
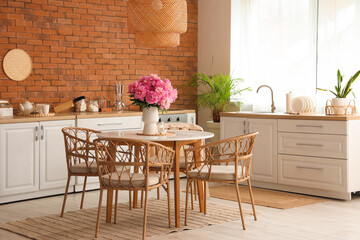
124	163
236	151
79	147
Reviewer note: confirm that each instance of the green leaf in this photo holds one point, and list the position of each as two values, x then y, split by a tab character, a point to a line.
342	92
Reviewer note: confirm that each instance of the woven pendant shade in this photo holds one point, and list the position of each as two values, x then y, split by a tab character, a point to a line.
157	23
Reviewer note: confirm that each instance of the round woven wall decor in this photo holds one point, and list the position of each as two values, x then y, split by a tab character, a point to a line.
17	64
157	23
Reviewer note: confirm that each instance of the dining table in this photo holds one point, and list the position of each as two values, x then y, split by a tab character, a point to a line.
175	139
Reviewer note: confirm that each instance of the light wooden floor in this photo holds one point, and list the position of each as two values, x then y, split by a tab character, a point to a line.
333	219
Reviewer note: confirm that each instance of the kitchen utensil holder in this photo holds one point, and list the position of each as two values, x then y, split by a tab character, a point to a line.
349	109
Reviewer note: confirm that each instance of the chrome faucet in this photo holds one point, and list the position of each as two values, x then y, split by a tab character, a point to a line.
272	97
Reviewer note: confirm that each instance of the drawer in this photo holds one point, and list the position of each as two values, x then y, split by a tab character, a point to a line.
312	126
328	174
111	124
315	145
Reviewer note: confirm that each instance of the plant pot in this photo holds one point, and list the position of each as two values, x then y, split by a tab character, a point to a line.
150	117
340	105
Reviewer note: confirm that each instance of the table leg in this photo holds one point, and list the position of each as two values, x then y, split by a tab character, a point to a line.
199	183
109	202
135	198
110	192
177	184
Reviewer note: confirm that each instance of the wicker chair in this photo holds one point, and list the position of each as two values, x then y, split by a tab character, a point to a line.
80	157
182	127
236	151
115	156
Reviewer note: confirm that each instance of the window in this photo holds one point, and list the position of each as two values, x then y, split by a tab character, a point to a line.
293	46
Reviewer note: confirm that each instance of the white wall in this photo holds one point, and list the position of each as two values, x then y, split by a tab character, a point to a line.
213	42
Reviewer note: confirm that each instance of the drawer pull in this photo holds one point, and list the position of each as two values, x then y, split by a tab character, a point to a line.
311	168
310	126
309	145
108	124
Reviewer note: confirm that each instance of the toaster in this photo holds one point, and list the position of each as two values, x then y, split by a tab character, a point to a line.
6	109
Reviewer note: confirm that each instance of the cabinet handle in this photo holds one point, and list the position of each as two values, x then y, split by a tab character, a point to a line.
311	168
36	133
42	132
309	145
310	126
107	124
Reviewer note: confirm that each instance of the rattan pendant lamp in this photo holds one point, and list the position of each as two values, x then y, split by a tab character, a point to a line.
157	23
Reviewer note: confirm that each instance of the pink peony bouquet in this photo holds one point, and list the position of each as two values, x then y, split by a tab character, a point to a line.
152	91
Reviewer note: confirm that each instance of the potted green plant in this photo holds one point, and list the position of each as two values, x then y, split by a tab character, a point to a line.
342	92
214	92
217	92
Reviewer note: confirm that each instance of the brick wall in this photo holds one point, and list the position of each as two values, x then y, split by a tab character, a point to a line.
81	47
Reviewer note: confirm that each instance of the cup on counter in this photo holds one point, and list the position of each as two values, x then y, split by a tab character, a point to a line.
43	108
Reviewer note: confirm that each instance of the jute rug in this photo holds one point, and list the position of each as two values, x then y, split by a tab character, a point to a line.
264	197
80	224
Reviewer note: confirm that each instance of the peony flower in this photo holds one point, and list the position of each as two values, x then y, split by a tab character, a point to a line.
140	93
173	95
152	97
133	86
165	103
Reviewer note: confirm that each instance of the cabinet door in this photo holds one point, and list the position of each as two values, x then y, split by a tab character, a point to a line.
53	169
19	158
232	127
264	162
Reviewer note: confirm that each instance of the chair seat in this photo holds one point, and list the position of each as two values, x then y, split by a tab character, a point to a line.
226	173
182	161
138	179
81	168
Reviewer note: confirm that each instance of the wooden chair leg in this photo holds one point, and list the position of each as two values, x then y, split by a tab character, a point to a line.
195	190
252	199
145	214
158	193
169	203
205	197
130	200
65	196
192	196
83	193
99	212
186	201
116	202
142	199
240	208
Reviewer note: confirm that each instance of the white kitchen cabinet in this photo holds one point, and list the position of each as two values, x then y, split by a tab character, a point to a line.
232	127
53	169
264	161
19	158
32	159
317	155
